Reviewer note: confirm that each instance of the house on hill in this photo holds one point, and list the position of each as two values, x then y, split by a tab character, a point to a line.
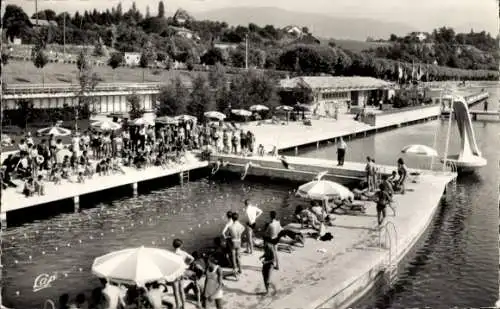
225	46
293	30
132	59
185	33
323	94
181	17
43	23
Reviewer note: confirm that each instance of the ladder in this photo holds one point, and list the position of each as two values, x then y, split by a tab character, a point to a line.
184	177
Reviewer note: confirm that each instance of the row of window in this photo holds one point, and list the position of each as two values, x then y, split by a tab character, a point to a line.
335	95
108	104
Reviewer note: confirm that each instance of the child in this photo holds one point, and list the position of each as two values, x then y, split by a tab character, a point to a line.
29	187
40	186
80	178
56	176
89	171
260	150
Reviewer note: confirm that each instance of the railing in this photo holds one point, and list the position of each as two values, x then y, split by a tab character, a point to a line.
49	302
58	88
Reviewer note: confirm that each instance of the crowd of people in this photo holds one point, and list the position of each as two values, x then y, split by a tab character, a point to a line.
208	269
96	152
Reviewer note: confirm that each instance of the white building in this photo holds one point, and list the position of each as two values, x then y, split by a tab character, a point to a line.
293	30
330	92
132	59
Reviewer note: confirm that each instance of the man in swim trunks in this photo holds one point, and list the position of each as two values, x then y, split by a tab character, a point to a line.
235	232
252	212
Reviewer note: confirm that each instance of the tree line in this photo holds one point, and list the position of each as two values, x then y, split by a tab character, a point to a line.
270	47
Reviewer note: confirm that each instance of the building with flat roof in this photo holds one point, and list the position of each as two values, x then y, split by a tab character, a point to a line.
325	93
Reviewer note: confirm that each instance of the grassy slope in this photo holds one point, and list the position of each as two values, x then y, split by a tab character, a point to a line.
358	46
20	72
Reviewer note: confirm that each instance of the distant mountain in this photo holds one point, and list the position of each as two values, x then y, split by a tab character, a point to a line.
320	25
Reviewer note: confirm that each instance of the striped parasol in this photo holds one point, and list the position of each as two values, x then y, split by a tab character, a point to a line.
55	130
105	125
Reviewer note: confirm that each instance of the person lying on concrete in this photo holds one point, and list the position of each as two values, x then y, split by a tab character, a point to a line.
361	192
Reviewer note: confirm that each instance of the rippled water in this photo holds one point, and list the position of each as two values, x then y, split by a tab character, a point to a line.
456	265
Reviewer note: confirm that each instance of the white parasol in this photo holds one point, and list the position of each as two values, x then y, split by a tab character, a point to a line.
258	108
215	115
139	266
143	122
285	108
241	112
105	125
420	150
323	189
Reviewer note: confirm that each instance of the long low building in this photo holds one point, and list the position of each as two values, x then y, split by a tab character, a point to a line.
110	98
325	93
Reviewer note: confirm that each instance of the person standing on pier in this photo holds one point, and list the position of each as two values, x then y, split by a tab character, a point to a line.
272	233
268	263
180	296
341	150
383	199
236	230
370	174
213	291
403	174
252	212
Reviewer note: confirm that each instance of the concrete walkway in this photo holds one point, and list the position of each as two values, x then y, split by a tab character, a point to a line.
330	274
13	199
296	133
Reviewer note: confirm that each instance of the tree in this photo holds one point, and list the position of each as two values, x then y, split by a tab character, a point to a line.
148	13
200	98
40	60
212	56
15	22
99	49
172	99
134	104
161	9
82	61
143	63
25	109
88	81
218	82
190	63
115	61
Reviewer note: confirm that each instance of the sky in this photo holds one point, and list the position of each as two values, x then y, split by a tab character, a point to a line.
421	14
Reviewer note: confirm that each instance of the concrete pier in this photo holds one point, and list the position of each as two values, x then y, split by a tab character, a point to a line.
13	199
337	273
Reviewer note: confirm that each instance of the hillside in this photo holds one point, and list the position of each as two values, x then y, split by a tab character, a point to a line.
358	46
319	24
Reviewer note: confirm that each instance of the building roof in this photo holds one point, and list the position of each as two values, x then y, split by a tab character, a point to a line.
334	83
43	22
181	29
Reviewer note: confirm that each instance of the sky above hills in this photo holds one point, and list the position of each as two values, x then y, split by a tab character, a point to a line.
419	14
